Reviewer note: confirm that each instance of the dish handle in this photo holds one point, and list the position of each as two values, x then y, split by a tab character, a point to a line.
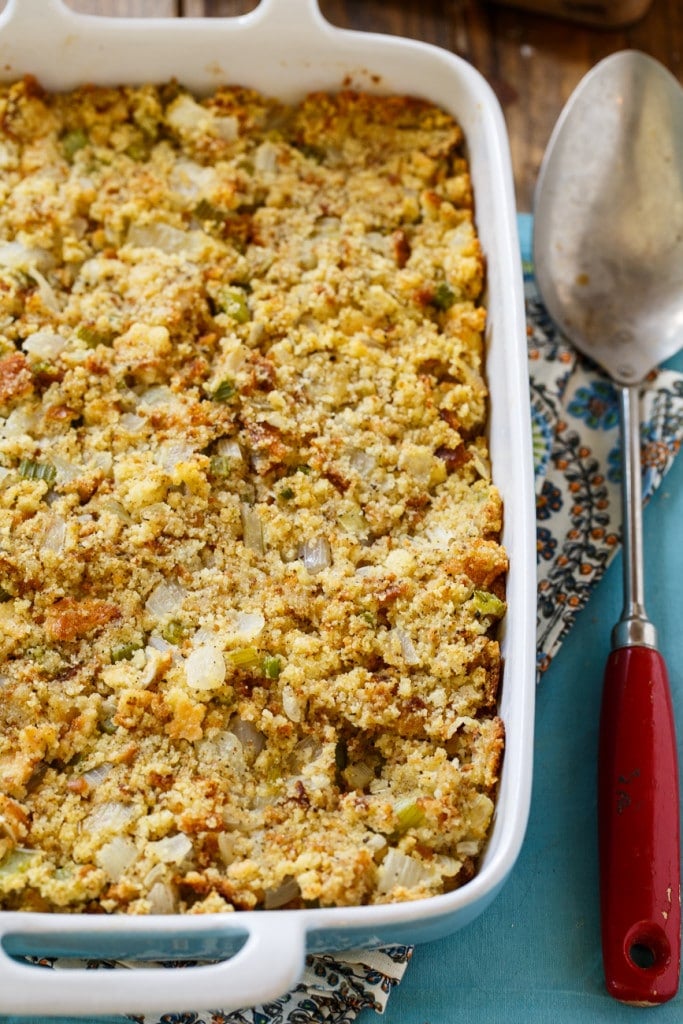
284	10
269	964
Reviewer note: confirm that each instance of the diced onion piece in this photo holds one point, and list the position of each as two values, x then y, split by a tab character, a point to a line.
468	848
265	158
449	867
161	899
223	748
165	599
205	668
102	460
410	655
97	775
55	535
116	856
226	847
286	891
17	862
252	529
361	461
229	448
417	461
44	344
358	775
156	663
375	842
156	874
226	128
316	554
160	236
482	465
185	114
307	750
249	624
171	454
251	739
160	395
15	256
191	179
20	421
45	290
158	643
290	704
397	869
131	423
110	816
355	523
67	472
171	849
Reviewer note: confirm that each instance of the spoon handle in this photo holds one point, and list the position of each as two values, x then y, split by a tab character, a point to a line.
639	830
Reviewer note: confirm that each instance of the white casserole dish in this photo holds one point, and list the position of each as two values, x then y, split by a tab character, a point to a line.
285	48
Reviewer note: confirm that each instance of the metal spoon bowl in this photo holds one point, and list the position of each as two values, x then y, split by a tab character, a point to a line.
608	251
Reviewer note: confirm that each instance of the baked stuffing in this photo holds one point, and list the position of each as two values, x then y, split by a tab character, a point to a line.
250	559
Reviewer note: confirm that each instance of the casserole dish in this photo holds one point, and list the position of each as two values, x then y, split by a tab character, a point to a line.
288	50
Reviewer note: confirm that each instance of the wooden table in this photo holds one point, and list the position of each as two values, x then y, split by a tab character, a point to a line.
533	62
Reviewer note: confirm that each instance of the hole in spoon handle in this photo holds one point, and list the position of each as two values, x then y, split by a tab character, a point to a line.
639	830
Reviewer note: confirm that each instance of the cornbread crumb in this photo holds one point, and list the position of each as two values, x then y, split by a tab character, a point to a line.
250	558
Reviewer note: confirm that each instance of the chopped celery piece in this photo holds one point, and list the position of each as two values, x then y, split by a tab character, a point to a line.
92	337
173	632
73	141
30	469
270	666
220	466
233	302
138	151
243	657
311	152
124	652
225	391
486	603
444	296
204	210
409	813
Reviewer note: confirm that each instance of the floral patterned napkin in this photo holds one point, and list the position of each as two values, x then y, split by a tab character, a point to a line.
574	413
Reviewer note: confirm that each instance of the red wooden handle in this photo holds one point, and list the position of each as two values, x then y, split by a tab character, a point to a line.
639	830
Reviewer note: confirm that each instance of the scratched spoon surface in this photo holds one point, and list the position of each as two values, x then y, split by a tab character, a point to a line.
608	252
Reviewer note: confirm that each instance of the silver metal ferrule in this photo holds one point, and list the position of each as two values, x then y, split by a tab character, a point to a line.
633	629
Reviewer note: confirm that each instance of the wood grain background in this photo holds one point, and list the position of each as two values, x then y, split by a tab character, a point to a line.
532	61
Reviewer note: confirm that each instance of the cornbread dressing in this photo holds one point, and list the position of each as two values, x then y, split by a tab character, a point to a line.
250	562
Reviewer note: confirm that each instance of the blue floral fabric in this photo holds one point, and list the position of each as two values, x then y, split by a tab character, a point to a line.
577	465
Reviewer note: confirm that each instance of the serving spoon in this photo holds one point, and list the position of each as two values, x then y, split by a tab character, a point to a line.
608	253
